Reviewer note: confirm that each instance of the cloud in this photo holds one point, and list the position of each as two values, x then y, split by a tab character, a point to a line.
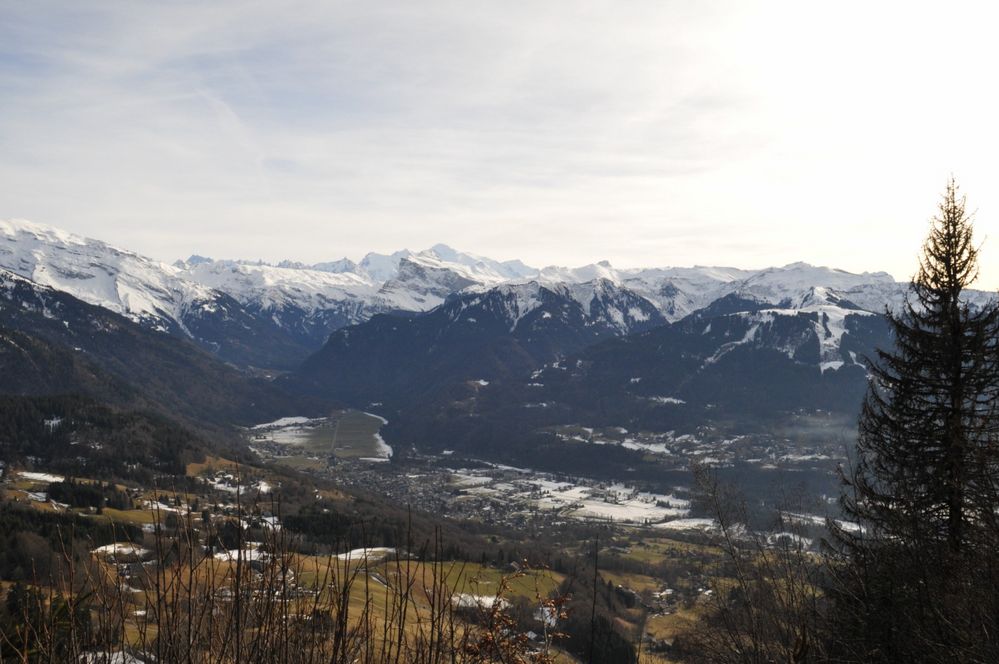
646	133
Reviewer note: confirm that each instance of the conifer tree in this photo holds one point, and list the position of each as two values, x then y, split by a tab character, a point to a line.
926	453
920	580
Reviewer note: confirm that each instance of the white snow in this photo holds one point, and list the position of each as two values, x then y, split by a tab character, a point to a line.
121	548
689	524
471	601
378	417
725	348
284	422
110	657
97	273
666	400
371	554
251	551
40	477
383	449
776	539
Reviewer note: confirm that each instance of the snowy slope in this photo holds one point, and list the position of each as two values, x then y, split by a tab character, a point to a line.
381	267
820	340
479	266
269	287
402	281
599	301
144	290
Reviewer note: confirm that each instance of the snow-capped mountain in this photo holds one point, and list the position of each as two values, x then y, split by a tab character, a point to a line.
678	292
476	336
600	304
158	296
250	313
809	330
381	267
484	268
738	357
257	314
306	303
54	343
309	302
126	283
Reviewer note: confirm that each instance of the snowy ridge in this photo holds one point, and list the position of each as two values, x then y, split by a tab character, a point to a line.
826	313
402	281
789	283
310	301
270	287
124	282
600	301
509	302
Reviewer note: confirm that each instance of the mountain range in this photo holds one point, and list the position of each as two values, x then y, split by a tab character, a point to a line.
435	334
273	316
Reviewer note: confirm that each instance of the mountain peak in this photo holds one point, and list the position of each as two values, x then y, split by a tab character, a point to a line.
14	227
801	265
444	251
192	260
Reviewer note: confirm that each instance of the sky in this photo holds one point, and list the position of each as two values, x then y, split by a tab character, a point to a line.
650	133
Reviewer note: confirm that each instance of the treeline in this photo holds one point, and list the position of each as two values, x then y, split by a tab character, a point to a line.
96	495
71	434
37	546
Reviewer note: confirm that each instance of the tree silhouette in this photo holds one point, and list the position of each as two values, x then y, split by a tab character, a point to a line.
923	485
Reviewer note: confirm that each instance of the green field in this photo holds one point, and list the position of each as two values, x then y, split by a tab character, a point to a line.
347	434
356	435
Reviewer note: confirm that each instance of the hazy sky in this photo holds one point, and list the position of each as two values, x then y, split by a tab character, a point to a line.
646	133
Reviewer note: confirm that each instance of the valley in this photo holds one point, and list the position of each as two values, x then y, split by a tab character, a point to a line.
799	461
343	435
498	333
494	426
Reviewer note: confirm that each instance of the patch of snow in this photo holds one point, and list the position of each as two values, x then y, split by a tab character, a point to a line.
252	551
284	422
666	400
689	524
40	477
371	554
776	539
471	601
121	548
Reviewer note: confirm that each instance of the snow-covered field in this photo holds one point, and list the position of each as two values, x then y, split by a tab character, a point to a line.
121	549
371	554
612	502
471	601
689	524
252	551
353	433
40	477
286	422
